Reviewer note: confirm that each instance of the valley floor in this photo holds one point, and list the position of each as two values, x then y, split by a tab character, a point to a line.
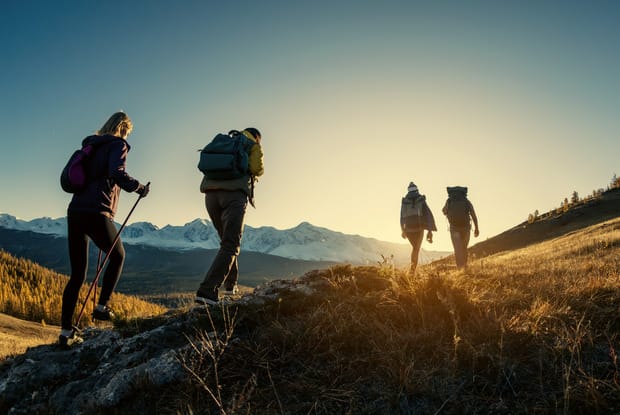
17	335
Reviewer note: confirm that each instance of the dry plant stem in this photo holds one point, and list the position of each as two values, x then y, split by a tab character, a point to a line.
199	379
275	391
212	344
575	338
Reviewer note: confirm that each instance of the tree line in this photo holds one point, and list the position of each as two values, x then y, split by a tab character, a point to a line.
576	200
31	292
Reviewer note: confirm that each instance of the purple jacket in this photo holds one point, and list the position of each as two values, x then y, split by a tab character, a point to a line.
107	175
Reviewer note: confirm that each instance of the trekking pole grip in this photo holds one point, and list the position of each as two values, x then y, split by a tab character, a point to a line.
148	185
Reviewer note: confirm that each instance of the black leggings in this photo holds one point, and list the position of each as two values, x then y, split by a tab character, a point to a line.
102	231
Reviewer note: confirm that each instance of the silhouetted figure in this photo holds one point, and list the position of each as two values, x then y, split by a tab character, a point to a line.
460	213
226	201
415	217
90	216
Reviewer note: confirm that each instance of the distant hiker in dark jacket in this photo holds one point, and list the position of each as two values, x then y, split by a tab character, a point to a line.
460	213
226	202
415	217
90	215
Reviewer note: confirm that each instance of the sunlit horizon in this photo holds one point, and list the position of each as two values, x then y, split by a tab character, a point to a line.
354	100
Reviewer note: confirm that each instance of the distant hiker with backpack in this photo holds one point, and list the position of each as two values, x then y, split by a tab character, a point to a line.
415	217
90	216
230	163
460	213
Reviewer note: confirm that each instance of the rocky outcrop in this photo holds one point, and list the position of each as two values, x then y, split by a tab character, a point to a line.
118	370
97	375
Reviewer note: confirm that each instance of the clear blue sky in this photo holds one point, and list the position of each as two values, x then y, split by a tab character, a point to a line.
517	100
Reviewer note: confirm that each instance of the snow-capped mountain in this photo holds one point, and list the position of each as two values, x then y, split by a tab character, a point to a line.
40	225
305	241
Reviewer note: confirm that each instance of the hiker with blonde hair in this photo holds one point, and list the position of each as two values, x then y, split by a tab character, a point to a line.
90	216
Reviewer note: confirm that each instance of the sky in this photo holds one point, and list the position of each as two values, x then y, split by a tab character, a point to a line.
517	100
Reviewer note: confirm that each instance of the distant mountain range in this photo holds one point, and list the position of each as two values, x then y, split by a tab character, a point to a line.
151	270
303	242
175	258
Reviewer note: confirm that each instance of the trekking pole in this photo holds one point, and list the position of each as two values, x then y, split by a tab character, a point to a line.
99	266
116	238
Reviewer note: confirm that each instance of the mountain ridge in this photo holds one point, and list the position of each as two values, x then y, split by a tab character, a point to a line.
304	241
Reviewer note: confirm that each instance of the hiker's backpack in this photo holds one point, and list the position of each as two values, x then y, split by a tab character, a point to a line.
458	206
225	157
74	176
412	213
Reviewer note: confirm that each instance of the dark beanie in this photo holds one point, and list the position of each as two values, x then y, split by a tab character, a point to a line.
254	131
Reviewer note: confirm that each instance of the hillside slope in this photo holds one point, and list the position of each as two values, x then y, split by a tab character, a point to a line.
17	335
534	330
31	292
552	224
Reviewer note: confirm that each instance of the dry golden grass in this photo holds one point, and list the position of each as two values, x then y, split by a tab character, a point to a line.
530	331
577	270
17	335
533	331
34	293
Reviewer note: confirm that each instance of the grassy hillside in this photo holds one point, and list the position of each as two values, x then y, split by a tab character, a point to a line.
557	222
17	335
535	330
531	331
31	292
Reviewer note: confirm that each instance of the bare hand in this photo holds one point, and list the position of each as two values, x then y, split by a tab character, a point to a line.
429	237
476	233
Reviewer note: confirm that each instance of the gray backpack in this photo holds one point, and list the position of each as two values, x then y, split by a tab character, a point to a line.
226	157
412	213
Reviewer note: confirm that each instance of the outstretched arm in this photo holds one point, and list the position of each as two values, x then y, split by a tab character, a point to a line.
402	222
474	218
116	168
430	223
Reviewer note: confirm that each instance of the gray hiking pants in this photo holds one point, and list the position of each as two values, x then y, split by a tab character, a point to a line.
460	240
227	211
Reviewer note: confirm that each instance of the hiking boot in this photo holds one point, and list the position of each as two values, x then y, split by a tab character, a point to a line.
104	315
67	342
234	290
206	299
